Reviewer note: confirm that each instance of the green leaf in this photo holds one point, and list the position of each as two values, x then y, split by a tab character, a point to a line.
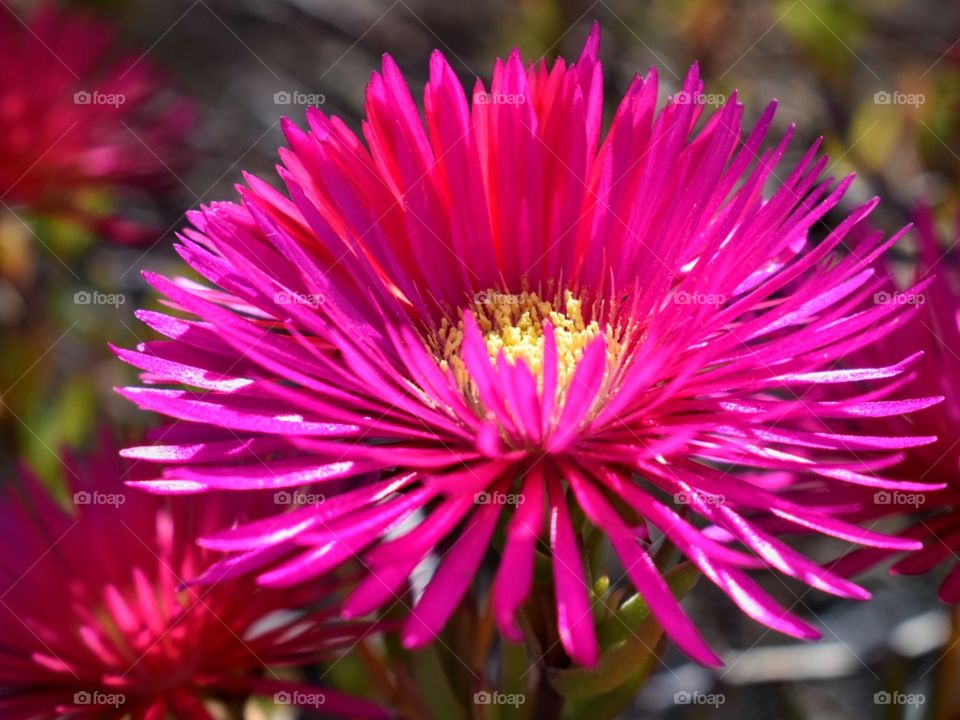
610	705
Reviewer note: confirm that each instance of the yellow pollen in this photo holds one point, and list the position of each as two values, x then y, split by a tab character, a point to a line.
513	324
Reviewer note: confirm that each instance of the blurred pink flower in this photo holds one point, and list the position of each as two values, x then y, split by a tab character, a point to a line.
79	126
934	331
96	622
497	316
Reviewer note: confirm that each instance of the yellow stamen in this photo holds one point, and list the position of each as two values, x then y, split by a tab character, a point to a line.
513	324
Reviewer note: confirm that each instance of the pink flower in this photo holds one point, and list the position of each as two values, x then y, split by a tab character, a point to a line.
80	127
96	622
500	315
934	331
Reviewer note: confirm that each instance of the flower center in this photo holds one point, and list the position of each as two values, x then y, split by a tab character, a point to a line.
513	324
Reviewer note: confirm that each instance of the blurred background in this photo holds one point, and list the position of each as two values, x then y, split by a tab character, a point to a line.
879	80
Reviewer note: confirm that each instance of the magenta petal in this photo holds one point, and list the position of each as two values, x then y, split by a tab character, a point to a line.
452	579
642	572
574	613
514	577
378	587
851	533
583	392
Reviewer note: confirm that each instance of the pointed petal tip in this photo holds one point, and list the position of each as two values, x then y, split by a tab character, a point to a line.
167	487
288	126
702	654
587	657
591	45
712	660
415	635
510	630
858	592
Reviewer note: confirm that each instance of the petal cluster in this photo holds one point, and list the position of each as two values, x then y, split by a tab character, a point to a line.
97	622
934	332
496	323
